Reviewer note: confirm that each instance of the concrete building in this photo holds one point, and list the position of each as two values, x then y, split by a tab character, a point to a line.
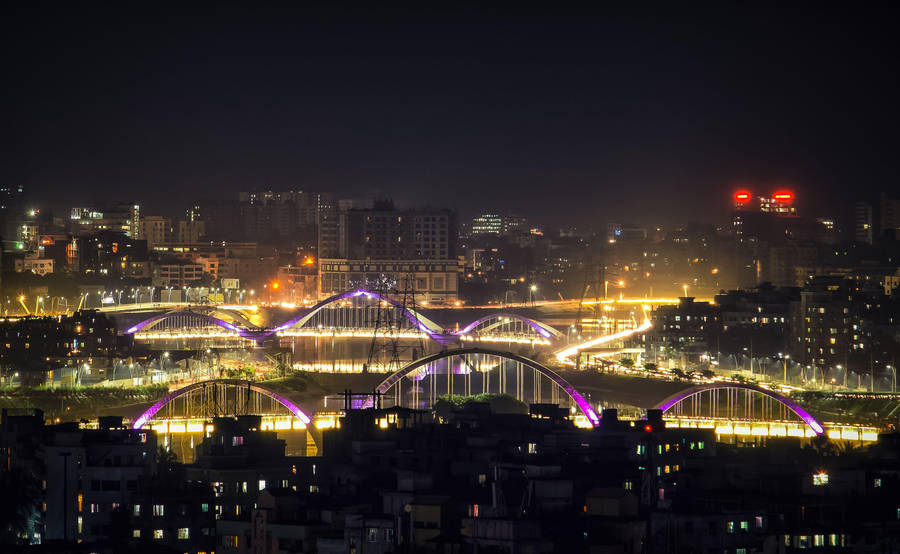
889	215
156	230
434	281
92	473
863	228
176	273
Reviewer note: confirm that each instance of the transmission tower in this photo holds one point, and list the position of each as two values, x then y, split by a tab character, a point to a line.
391	321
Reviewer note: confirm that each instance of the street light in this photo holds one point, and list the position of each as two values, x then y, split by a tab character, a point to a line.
784	359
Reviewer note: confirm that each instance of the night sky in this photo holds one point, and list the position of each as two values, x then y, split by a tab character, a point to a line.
574	118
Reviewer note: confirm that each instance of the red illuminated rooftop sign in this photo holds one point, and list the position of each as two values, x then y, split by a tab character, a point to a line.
742	196
783	196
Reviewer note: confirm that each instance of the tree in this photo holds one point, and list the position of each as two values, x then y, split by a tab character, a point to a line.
21	498
626	362
649	367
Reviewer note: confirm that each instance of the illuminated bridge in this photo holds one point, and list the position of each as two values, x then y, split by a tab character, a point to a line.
730	410
475	371
742	410
358	313
459	372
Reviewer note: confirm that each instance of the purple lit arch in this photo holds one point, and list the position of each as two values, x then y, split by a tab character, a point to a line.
582	404
543	330
150	322
813	423
148	415
431	329
424	324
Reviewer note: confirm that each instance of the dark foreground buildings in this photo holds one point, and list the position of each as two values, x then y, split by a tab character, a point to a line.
401	481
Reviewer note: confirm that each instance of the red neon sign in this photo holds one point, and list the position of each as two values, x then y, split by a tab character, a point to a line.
742	196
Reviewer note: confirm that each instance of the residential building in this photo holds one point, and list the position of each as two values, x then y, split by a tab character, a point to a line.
863	228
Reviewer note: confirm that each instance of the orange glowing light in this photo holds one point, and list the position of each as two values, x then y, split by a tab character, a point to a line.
742	196
276	285
309	260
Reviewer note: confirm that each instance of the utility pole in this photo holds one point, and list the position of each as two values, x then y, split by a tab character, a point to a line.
872	371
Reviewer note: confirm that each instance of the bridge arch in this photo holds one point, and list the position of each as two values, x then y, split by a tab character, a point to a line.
807	418
246	332
424	324
557	379
148	415
542	329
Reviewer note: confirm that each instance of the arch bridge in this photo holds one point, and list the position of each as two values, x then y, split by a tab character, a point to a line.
201	401
481	371
357	313
741	409
195	322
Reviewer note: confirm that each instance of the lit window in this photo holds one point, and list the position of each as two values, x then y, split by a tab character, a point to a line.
820	479
184	533
372	534
136	509
262	484
159	510
158	534
136	533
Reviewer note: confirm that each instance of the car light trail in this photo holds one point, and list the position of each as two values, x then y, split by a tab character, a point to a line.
564	355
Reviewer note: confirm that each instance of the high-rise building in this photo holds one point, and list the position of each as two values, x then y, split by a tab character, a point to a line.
495	224
618	232
487	224
331	229
156	230
862	222
190	231
768	217
890	215
271	215
121	218
358	247
12	210
385	233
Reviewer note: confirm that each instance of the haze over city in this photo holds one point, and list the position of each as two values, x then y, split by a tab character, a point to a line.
587	114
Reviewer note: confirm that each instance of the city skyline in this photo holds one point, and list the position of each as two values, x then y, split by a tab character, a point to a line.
418	279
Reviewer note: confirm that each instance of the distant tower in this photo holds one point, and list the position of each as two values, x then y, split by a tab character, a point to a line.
862	222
